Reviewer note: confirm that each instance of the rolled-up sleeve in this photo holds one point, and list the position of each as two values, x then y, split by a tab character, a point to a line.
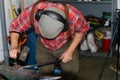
82	26
78	22
21	23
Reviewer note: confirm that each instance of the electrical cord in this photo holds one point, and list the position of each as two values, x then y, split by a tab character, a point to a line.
113	43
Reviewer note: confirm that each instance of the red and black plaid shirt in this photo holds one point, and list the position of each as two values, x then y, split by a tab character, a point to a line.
77	24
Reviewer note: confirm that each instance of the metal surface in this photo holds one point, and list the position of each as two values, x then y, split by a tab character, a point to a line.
12	73
51	78
3	77
40	65
28	72
4	33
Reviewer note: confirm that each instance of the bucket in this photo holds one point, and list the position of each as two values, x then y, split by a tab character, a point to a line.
106	44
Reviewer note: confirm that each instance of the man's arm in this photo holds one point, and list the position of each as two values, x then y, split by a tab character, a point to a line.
14	37
67	55
76	40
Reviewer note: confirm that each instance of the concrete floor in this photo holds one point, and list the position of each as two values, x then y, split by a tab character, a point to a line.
90	68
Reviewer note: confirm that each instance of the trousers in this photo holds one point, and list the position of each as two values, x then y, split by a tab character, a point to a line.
31	43
69	69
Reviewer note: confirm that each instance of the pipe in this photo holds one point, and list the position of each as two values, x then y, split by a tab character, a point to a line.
4	32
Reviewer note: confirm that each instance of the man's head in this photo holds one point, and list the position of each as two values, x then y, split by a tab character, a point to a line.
52	21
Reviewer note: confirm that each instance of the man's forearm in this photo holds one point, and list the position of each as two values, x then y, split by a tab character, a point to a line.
14	37
76	40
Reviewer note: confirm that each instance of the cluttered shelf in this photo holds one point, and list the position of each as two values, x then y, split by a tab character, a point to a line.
96	43
88	2
98	38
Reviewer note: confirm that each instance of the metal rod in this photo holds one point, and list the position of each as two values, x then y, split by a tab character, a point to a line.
4	32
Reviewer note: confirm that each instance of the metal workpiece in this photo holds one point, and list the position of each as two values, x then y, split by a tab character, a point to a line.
13	73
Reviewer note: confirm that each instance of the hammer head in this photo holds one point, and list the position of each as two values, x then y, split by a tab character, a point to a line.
24	54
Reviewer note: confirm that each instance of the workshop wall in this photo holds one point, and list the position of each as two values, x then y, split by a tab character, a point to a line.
28	2
118	4
8	11
1	43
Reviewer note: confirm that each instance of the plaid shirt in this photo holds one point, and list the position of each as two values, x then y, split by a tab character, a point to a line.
77	24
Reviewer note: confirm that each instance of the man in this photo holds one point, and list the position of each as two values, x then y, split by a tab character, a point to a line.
58	35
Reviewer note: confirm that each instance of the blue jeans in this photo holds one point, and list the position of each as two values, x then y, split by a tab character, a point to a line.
31	43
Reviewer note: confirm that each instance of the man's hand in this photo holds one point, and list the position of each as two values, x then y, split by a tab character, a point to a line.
66	57
13	53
